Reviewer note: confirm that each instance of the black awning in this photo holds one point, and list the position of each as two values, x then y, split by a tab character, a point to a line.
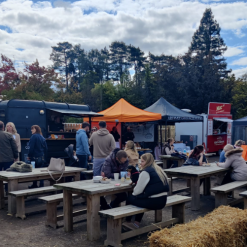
171	113
76	113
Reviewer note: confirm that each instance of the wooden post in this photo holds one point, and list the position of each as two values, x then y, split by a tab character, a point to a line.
2	204
195	193
178	211
206	187
20	210
220	199
51	215
93	218
113	232
170	186
13	186
245	203
68	211
158	216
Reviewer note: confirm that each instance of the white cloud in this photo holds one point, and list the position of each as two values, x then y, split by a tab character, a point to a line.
157	26
239	72
241	61
233	51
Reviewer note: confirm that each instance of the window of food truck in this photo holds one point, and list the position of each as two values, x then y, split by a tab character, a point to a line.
220	125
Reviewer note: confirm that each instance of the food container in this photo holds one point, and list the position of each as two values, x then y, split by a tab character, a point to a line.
107	181
96	179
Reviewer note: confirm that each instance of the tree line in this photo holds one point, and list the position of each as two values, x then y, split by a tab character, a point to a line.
100	77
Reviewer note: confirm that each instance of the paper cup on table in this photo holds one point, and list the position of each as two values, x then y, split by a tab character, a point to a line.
33	164
116	176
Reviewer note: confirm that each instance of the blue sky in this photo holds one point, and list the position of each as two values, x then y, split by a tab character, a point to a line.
28	28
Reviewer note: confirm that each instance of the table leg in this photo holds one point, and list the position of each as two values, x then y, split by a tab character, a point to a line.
93	218
164	164
68	211
77	176
195	193
180	162
1	195
206	187
13	186
170	187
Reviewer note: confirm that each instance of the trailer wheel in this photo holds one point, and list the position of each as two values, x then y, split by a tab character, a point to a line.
219	152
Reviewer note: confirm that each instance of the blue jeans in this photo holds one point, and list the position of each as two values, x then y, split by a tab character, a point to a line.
97	165
4	166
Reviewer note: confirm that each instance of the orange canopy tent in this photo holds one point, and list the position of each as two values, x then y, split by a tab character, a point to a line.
124	112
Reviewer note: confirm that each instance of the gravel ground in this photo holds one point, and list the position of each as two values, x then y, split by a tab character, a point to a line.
33	232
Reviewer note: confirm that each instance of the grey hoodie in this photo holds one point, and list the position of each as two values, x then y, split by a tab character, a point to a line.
103	143
235	160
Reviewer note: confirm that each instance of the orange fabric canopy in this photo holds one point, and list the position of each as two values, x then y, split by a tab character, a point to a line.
126	113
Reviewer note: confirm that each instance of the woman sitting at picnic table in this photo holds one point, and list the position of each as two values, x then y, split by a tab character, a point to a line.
235	161
150	191
196	157
169	148
132	153
237	144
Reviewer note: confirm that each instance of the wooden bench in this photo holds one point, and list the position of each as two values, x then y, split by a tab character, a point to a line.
222	191
88	174
22	194
51	209
244	195
114	219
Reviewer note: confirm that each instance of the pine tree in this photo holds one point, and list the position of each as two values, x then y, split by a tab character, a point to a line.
207	66
62	57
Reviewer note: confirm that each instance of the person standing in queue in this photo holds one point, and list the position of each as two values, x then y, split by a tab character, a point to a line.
116	136
103	143
129	135
10	128
8	150
37	151
82	145
150	191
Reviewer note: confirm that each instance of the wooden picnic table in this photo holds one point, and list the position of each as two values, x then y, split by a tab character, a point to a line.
165	158
13	178
194	174
93	192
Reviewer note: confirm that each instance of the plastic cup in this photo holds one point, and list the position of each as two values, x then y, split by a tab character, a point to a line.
33	164
116	176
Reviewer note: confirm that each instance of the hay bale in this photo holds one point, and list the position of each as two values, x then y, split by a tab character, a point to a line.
224	227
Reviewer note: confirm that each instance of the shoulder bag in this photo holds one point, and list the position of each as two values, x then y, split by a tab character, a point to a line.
56	165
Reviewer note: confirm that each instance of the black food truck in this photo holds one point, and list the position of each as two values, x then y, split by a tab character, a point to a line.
49	116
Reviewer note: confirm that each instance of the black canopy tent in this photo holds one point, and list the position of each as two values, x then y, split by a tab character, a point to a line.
171	114
240	129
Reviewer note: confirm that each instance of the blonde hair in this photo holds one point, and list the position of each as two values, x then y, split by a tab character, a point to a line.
239	143
151	163
13	127
228	147
130	145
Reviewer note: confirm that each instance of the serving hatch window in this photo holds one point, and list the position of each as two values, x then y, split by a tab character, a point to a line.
220	126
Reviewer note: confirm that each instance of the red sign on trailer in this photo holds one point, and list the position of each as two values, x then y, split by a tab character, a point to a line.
219	108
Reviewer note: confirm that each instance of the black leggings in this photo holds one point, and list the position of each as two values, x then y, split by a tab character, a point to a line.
155	203
120	197
227	179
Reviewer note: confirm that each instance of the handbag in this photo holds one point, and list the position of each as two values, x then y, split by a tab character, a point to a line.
56	165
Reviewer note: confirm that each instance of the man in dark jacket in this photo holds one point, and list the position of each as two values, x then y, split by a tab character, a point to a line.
8	149
116	162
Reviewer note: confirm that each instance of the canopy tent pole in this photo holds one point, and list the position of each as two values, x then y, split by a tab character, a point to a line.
165	132
90	122
160	124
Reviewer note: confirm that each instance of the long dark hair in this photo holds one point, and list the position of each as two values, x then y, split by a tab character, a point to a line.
197	150
38	129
